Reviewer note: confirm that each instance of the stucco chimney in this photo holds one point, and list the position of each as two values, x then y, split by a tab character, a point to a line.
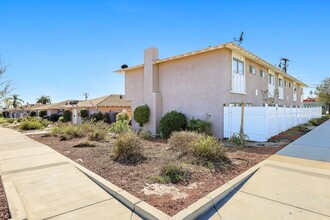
151	94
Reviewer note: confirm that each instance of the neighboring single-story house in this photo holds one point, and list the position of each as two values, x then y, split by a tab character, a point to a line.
55	108
104	104
313	102
201	82
23	110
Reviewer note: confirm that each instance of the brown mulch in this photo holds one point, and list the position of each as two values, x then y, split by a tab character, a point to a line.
4	210
134	178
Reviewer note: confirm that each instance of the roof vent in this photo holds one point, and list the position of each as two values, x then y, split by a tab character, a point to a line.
120	96
124	66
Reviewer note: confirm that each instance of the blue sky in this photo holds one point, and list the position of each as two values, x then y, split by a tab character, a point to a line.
63	48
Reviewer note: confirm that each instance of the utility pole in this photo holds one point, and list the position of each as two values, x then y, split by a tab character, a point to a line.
86	95
285	63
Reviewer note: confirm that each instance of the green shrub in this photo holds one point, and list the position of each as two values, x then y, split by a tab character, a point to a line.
32	114
5	114
67	115
54	117
314	122
200	126
61	119
42	114
172	121
128	148
120	127
146	135
97	117
181	141
208	148
141	115
10	120
84	113
123	116
173	173
31	123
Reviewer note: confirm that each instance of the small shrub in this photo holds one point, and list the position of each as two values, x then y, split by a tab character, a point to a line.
85	144
141	114
123	116
181	140
120	127
61	119
32	114
200	126
67	115
42	114
239	140
173	173
84	113
54	117
30	123
128	148
10	120
97	135
209	148
5	114
146	135
172	121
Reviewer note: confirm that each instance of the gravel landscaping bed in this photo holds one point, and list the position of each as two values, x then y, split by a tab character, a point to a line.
139	179
4	211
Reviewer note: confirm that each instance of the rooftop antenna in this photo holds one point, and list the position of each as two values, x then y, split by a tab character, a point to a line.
240	40
86	95
284	62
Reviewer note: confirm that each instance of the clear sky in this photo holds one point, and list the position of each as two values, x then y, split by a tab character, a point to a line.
63	48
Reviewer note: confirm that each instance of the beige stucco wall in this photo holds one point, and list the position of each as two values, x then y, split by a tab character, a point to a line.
201	84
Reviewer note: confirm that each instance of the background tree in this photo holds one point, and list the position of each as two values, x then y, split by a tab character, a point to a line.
4	84
44	100
15	101
323	91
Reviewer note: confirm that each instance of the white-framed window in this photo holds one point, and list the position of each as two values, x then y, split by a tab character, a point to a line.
271	84
252	70
295	91
262	74
238	66
280	88
238	76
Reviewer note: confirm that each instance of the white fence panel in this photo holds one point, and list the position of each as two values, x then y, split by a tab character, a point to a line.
263	122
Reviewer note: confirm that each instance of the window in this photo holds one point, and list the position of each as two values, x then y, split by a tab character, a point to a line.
252	70
271	79
280	82
286	83
262	74
238	66
289	85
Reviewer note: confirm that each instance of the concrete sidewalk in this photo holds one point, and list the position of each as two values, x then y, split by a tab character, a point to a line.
293	184
42	184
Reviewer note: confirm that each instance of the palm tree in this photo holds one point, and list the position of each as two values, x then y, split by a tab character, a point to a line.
44	100
15	101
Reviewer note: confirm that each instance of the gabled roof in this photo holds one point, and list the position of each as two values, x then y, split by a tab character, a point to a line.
57	105
104	101
230	45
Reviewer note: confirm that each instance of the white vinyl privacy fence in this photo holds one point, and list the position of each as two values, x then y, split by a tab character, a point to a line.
262	122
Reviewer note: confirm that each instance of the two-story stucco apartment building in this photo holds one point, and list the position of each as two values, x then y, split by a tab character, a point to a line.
202	82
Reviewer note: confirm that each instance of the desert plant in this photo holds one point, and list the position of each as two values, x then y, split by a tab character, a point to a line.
30	123
42	114
181	141
173	173
209	148
200	126
10	120
61	119
120	127
84	113
172	121
97	135
123	116
32	114
128	148
67	115
141	114
239	140
54	117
